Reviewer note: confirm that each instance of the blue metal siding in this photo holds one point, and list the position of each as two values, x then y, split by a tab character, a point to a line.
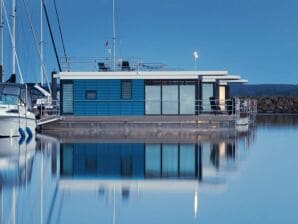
108	100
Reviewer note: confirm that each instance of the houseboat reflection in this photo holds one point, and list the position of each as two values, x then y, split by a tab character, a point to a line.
104	179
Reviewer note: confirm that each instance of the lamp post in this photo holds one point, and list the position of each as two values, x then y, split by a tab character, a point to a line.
196	57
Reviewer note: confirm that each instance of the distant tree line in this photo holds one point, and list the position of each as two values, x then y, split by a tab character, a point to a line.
258	90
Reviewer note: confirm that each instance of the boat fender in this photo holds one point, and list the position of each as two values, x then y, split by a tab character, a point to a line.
22	133
22	139
29	132
28	140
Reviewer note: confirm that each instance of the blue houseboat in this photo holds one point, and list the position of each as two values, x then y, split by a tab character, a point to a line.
126	101
142	93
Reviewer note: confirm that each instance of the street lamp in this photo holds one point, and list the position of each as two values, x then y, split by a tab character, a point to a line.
196	57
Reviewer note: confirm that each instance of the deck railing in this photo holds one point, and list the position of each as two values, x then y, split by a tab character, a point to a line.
236	108
246	106
228	106
105	64
46	111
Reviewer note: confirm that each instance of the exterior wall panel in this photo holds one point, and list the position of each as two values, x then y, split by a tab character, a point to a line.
108	100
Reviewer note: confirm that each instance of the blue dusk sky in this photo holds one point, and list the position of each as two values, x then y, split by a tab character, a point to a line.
257	39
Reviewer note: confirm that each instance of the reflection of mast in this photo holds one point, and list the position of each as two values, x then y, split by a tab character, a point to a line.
1	42
41	187
41	42
2	199
114	204
13	27
14	198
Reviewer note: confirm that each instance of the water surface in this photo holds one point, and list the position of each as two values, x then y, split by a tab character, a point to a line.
250	177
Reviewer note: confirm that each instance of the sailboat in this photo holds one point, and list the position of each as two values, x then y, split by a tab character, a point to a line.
16	114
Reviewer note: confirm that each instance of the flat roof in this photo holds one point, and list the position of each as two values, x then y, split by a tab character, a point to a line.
208	76
140	74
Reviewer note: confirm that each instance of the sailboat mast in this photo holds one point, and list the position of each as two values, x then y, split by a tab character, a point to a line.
13	25
1	42
114	37
41	42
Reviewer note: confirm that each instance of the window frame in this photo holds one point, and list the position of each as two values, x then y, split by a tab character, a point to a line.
92	92
121	89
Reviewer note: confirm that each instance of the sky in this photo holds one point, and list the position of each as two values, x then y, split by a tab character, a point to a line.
257	39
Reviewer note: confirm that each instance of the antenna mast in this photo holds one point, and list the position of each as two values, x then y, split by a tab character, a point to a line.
13	25
41	43
1	42
114	38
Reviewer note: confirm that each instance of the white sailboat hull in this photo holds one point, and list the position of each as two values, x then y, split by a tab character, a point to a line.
10	125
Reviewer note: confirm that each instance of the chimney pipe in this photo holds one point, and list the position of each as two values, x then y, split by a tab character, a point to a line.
54	86
1	74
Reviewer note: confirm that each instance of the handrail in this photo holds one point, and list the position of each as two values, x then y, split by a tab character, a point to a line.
44	111
106	64
228	106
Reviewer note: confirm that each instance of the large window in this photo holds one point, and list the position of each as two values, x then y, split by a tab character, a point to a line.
153	96
207	92
126	89
187	99
170	99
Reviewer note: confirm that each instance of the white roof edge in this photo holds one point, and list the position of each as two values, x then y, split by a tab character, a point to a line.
237	81
140	75
220	78
206	72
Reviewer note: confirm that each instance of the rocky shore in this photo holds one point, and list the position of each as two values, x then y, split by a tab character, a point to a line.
275	104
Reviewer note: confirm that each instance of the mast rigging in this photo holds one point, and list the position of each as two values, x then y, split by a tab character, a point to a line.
36	43
52	37
12	43
60	31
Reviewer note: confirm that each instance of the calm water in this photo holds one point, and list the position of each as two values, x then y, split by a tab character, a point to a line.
247	178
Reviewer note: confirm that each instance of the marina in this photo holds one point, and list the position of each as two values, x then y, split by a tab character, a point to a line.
154	112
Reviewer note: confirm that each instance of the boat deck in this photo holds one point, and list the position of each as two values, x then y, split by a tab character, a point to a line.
140	125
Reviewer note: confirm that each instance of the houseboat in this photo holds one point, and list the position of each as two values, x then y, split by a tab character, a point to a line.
141	93
144	95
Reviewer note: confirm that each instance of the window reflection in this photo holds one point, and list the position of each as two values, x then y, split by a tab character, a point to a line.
152	160
170	160
187	160
67	160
